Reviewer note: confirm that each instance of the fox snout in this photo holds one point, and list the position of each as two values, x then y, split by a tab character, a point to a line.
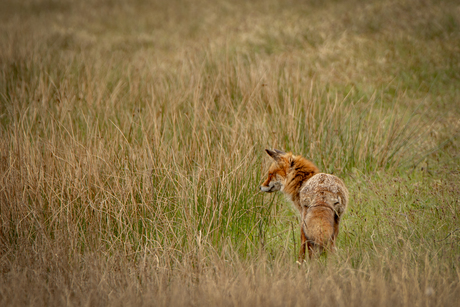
271	187
264	189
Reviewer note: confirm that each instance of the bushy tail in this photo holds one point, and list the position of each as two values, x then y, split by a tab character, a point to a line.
319	229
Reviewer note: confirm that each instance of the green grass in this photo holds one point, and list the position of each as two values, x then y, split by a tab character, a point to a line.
132	141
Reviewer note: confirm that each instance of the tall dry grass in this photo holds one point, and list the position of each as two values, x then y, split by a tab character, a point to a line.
132	140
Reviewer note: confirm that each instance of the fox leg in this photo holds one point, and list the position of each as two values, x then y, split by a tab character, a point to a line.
334	236
303	241
332	245
310	249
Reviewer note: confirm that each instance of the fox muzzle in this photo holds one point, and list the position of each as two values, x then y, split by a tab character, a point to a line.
272	187
265	189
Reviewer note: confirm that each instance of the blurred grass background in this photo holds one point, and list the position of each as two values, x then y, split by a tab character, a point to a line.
132	137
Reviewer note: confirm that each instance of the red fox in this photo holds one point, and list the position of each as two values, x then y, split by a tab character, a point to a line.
320	198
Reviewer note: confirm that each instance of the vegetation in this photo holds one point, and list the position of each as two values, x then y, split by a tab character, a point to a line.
132	137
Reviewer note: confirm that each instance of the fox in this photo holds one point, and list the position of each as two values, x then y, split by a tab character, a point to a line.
320	198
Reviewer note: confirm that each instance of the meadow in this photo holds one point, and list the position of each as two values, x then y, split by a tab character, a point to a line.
132	137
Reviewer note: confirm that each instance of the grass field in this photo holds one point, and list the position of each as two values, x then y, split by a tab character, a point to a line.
132	137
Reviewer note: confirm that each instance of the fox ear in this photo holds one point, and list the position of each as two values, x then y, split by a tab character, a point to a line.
279	152
291	161
274	154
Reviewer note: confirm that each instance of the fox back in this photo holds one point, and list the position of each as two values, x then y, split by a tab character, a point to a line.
327	190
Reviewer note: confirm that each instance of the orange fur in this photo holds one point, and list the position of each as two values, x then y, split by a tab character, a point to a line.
291	171
320	198
318	225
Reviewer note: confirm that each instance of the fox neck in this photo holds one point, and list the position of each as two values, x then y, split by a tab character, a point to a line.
299	173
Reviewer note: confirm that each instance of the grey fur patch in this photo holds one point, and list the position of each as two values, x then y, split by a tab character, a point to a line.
325	189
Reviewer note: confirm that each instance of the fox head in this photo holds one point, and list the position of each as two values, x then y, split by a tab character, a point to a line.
287	173
278	171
